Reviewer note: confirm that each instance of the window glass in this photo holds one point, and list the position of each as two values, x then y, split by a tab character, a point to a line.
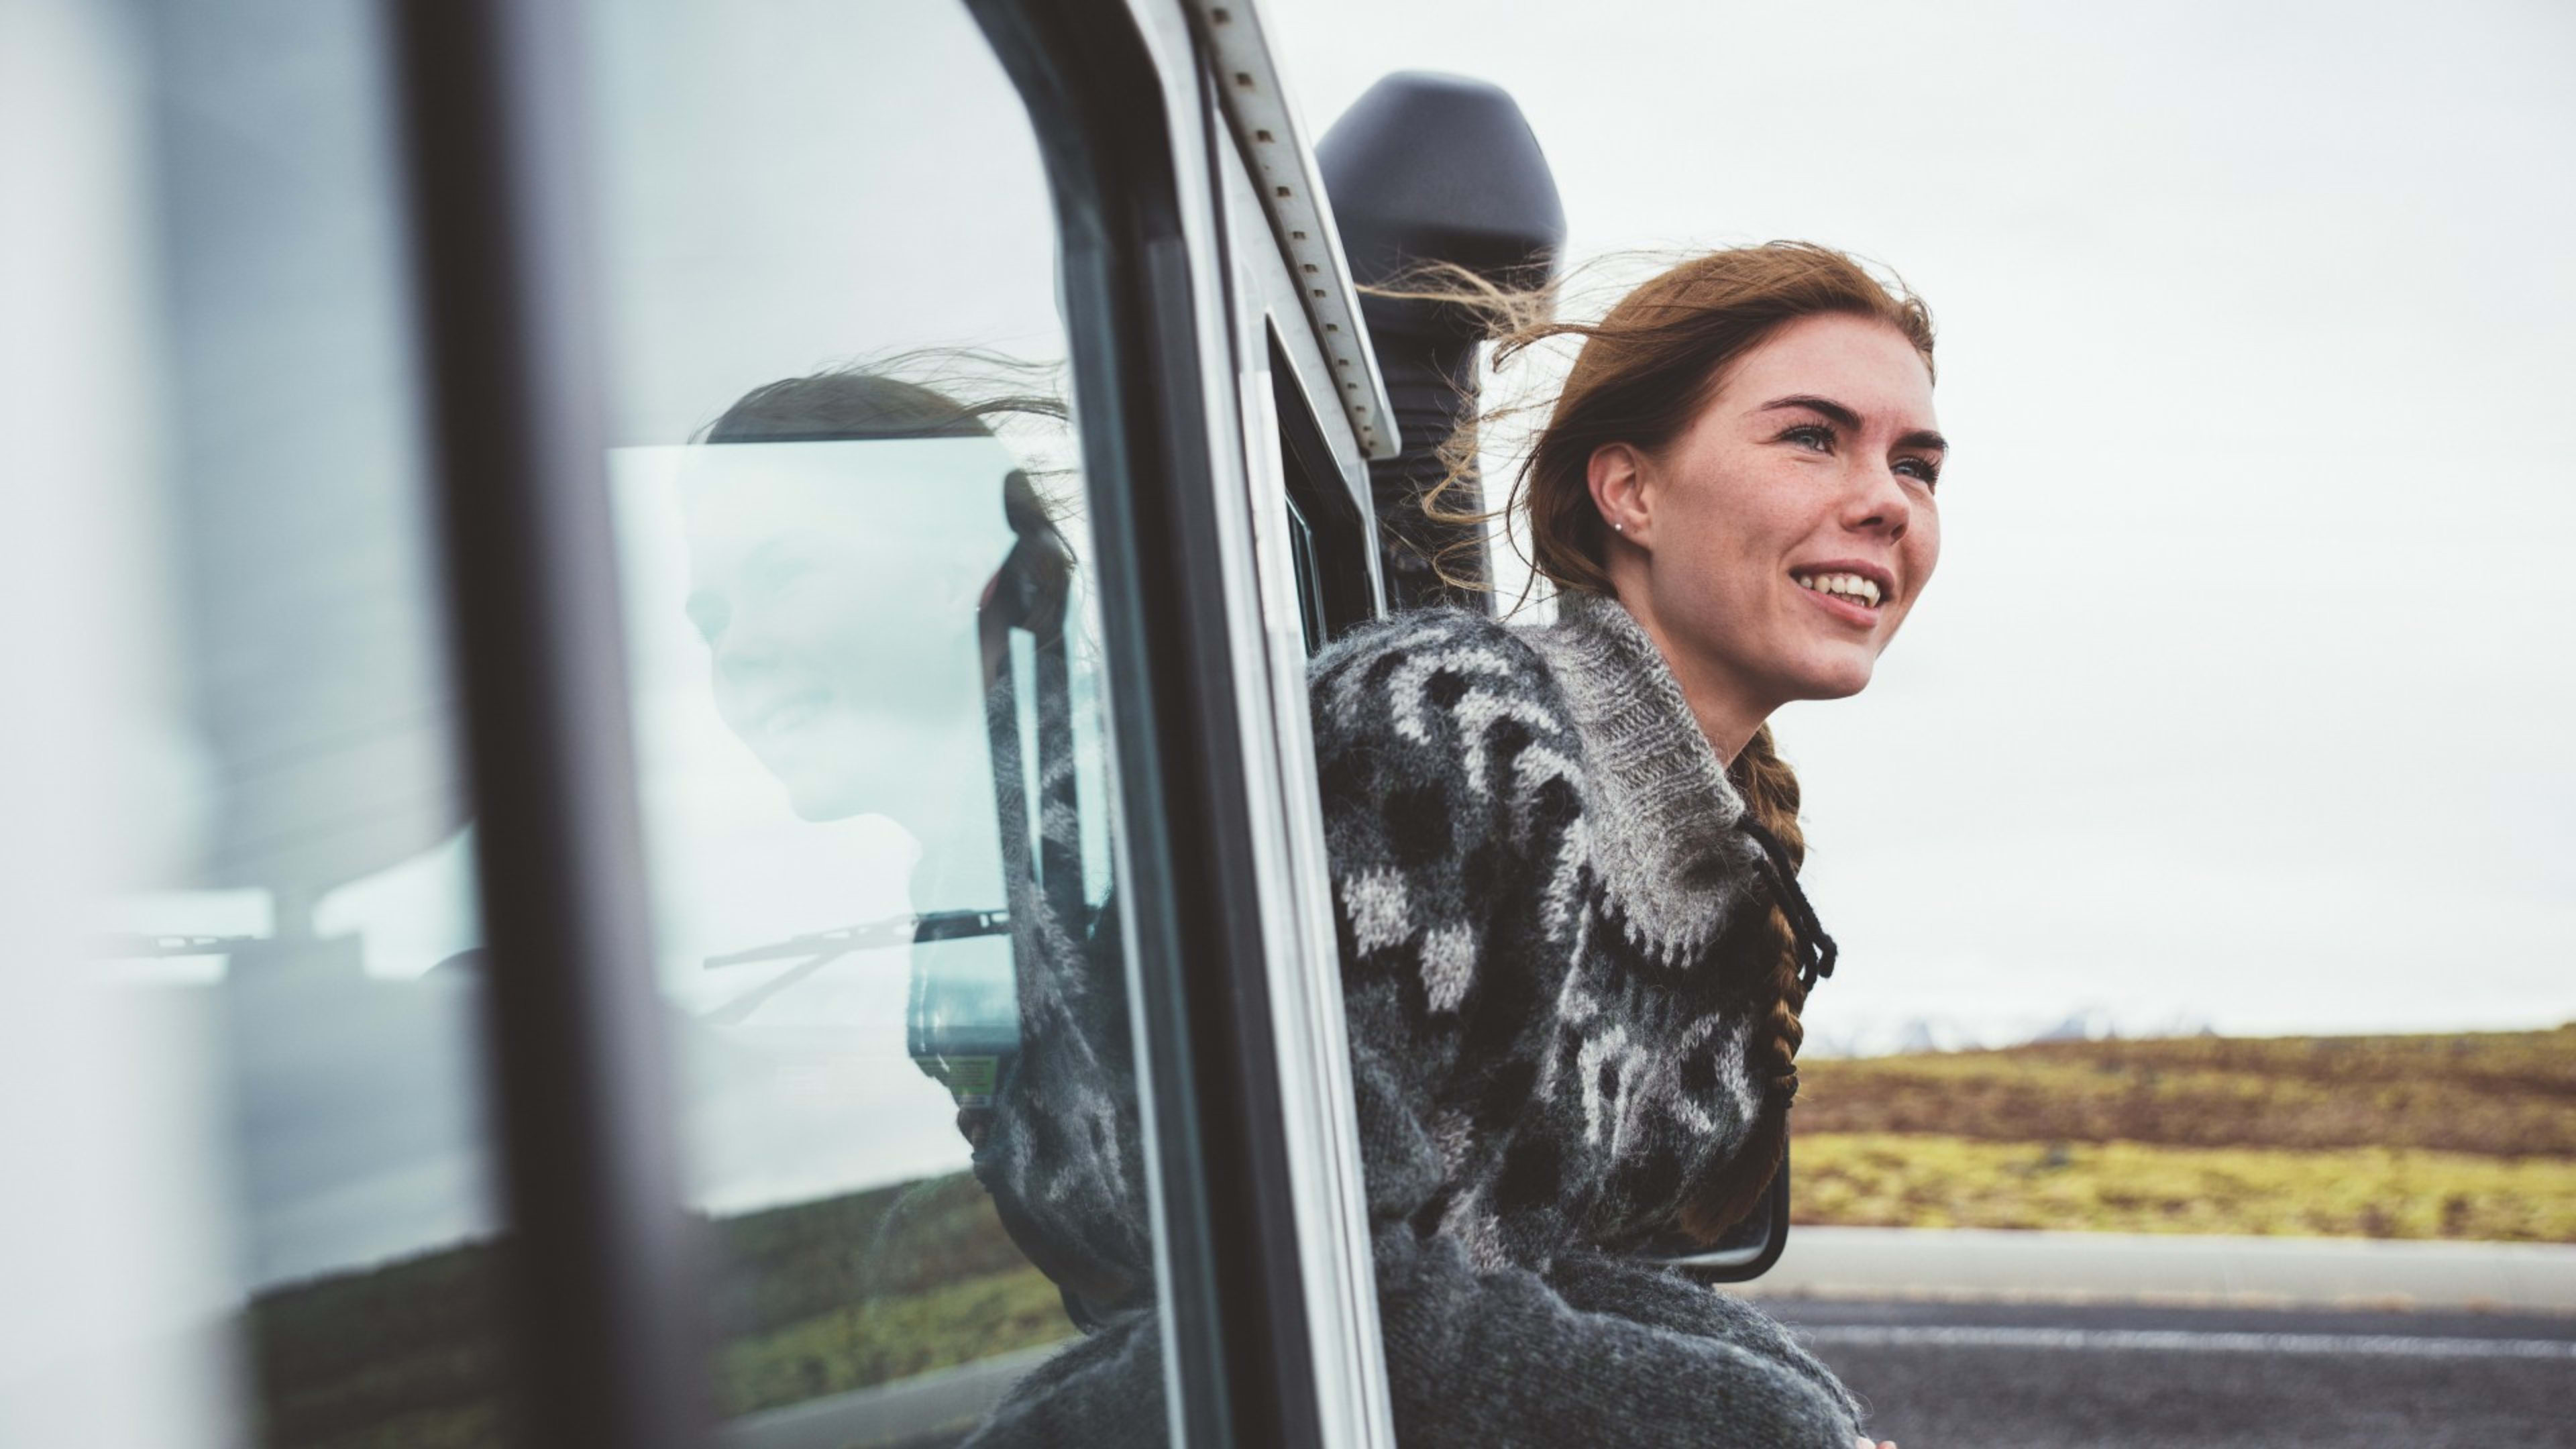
284	954
1328	540
868	709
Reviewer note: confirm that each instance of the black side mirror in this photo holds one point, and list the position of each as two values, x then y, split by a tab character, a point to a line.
1750	1247
1434	168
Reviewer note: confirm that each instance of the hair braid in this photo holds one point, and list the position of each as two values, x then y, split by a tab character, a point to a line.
1770	791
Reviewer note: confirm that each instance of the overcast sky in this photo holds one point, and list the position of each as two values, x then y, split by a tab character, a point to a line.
2240	694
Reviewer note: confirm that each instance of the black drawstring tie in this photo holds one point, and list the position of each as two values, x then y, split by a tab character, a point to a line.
1814	946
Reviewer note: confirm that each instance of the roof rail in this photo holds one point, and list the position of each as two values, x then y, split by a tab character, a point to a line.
1283	168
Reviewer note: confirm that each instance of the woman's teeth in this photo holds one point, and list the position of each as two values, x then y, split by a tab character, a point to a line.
1851	586
794	714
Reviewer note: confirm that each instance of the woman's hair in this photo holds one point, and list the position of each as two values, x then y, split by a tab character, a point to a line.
949	393
1642	374
930	394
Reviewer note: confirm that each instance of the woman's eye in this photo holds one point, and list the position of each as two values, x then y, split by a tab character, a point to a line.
1923	468
1815	436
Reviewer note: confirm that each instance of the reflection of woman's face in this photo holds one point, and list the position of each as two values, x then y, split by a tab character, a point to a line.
837	636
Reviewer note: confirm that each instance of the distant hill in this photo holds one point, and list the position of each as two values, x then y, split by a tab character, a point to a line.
1839	1035
2469	1135
2501	1094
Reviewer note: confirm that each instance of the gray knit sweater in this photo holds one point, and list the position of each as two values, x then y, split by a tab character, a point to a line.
1554	965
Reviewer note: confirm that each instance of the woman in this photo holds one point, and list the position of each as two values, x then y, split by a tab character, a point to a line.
1573	951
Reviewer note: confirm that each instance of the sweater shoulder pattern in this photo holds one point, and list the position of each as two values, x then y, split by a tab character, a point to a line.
1546	911
1539	896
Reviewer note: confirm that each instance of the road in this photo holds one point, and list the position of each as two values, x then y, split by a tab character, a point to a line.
2004	1376
2151	1342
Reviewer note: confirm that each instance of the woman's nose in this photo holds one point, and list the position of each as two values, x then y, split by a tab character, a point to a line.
746	649
1879	503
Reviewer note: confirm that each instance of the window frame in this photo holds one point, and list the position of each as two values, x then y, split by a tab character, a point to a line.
604	1285
1123	105
1288	449
1338	580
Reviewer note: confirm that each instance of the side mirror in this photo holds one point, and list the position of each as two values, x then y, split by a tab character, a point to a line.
1434	168
1750	1247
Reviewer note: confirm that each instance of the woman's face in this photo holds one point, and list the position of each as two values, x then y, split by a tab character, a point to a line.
1780	541
840	633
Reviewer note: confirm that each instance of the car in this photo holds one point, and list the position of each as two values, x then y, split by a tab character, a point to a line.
692	547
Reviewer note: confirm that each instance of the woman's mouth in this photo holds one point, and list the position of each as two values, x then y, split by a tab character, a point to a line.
1852	598
793	713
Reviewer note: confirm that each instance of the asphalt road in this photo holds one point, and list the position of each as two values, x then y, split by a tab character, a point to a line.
2005	1376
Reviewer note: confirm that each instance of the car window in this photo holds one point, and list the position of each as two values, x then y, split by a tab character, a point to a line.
867	701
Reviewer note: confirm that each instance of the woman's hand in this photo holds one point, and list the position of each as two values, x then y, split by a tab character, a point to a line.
1864	1443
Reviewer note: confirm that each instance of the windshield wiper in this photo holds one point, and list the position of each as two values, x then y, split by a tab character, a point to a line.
892	931
817	949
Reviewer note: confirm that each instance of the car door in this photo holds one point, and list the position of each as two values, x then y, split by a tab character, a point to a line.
575	836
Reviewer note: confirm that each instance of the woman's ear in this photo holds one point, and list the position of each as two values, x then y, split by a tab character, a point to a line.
1617	477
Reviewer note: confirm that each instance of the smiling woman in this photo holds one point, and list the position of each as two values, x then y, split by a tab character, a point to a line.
1574	951
1572	946
1743	451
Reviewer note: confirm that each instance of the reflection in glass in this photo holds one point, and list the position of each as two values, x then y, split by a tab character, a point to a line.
867	707
889	624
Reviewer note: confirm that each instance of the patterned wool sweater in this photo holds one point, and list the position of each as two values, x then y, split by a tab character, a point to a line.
1556	971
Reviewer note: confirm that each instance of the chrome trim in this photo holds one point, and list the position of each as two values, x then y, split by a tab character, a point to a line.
1266	641
1271	300
1263	118
1305	977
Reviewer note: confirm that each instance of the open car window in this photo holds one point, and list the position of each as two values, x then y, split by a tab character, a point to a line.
866	683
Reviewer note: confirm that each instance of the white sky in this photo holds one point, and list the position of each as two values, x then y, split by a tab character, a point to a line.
2239	695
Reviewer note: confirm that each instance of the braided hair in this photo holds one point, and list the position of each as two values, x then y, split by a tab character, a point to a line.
1770	791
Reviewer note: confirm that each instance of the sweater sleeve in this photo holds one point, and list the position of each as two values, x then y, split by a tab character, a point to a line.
1452	799
1061	1149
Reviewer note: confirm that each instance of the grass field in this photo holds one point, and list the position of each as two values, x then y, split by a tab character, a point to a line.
2458	1136
874	1341
1882	1179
